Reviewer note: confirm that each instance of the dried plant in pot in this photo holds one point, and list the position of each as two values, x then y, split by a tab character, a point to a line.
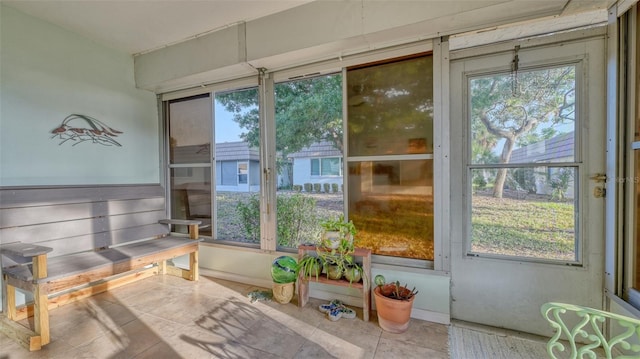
393	305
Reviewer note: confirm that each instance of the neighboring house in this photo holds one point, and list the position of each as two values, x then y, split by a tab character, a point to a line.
554	150
320	162
237	167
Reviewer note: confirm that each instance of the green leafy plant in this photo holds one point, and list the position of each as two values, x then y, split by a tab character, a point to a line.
310	266
338	224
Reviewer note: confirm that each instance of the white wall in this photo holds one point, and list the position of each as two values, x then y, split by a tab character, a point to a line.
302	174
227	262
49	73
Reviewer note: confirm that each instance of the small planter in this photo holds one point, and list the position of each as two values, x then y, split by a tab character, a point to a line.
393	314
353	274
283	292
334	272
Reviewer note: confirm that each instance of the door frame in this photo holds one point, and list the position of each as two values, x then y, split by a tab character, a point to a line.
506	292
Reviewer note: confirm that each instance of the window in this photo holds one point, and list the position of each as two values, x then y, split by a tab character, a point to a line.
326	166
237	207
309	144
242	172
522	164
189	122
390	156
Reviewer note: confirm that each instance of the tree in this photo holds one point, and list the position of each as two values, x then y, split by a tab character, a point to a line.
525	107
306	111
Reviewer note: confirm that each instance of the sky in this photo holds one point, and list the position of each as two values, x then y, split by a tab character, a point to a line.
226	129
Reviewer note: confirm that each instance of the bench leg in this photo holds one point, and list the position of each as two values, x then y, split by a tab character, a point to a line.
11	302
162	267
41	314
193	266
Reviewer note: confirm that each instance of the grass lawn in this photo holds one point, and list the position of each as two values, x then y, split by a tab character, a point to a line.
535	228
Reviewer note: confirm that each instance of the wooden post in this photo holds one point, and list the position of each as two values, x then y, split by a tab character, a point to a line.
11	302
194	231
193	257
193	266
41	300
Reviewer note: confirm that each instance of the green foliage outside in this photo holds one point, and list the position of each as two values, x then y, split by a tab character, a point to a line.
511	110
307	111
296	217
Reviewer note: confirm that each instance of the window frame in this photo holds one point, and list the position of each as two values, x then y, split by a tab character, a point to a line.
440	50
578	163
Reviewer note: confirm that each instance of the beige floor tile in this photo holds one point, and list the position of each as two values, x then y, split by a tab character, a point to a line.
323	344
166	317
271	336
425	334
389	348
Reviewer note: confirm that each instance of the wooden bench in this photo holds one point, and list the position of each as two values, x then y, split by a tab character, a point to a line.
578	331
67	243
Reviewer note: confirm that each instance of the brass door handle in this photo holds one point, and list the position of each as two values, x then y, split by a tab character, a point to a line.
599	177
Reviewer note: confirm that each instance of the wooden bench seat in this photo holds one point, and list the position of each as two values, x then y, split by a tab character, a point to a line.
52	243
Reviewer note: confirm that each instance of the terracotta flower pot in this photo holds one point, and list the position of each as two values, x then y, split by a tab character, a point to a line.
393	314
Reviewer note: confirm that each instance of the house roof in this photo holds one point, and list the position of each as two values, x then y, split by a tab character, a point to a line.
226	151
555	148
318	149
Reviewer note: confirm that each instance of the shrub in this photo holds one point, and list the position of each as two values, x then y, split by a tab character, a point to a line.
296	218
479	183
334	187
526	179
327	187
308	187
295	215
297	188
316	187
249	213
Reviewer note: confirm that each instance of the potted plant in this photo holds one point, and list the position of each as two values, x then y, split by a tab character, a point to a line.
337	229
353	272
284	272
393	304
335	260
310	266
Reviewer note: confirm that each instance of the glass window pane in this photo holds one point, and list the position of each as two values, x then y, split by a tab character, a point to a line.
237	166
315	167
242	173
190	130
331	166
536	217
308	143
391	204
191	196
390	108
523	118
228	173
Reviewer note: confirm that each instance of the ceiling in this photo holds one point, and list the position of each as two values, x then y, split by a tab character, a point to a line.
138	26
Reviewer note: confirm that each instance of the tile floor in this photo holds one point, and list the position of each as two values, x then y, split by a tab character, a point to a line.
168	317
